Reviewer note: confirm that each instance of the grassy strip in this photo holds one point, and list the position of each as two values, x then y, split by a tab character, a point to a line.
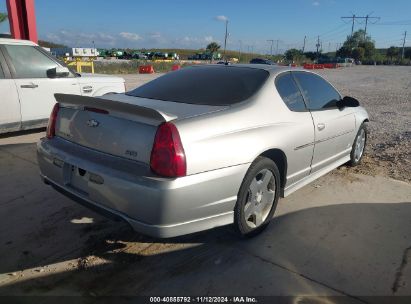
131	67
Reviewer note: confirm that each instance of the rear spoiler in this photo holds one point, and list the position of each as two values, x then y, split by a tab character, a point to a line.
116	108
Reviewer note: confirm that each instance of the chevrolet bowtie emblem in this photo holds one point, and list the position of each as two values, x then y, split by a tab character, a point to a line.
92	123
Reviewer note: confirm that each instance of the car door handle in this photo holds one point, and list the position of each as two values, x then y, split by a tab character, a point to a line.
320	126
29	86
87	89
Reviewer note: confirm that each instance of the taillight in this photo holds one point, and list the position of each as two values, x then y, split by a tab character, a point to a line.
167	157
51	127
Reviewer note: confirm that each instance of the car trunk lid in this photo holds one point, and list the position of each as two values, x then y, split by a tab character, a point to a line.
117	124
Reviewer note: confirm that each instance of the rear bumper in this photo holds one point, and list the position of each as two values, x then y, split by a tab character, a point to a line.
154	206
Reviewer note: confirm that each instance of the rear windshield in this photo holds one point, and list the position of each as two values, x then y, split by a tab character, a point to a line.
206	85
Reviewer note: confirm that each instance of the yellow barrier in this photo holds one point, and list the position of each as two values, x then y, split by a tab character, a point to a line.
79	64
163	60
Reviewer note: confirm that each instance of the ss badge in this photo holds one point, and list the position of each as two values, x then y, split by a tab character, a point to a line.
132	153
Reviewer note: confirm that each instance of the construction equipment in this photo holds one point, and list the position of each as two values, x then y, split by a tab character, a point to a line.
77	57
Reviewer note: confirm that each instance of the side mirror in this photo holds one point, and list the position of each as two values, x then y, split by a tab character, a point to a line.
58	72
349	102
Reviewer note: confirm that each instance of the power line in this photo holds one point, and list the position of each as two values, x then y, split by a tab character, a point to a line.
366	22
399	22
333	36
353	20
276	41
367	18
333	30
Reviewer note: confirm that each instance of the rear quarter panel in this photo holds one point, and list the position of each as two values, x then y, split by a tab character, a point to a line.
243	132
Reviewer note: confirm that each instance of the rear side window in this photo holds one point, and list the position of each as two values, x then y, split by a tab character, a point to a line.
205	85
289	92
318	93
29	62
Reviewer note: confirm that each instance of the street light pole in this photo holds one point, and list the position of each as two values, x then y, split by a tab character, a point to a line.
271	48
239	50
225	38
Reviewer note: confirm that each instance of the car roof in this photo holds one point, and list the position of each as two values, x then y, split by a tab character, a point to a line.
16	41
272	69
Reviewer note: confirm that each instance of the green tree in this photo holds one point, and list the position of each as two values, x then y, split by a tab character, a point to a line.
358	53
213	47
358	46
311	55
293	55
3	17
369	48
407	53
378	58
392	51
344	52
356	39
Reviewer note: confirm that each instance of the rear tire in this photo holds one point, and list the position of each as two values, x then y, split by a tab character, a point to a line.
257	198
358	146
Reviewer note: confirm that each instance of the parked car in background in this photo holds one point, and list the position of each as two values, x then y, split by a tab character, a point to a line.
140	56
261	61
160	55
201	147
29	78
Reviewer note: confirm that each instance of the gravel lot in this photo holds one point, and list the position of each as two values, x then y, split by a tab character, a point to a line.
385	91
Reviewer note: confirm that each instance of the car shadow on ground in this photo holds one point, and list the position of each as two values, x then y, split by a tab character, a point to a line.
10	135
349	249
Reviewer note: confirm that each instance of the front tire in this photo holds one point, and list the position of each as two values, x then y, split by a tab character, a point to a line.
257	198
358	146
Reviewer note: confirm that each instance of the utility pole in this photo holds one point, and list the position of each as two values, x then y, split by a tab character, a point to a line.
366	21
318	46
276	52
271	48
353	20
305	38
366	24
225	38
250	50
368	17
403	45
239	50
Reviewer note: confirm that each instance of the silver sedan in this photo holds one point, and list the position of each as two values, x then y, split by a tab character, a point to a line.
201	147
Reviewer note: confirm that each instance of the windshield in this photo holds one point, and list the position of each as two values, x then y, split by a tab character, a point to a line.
205	85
